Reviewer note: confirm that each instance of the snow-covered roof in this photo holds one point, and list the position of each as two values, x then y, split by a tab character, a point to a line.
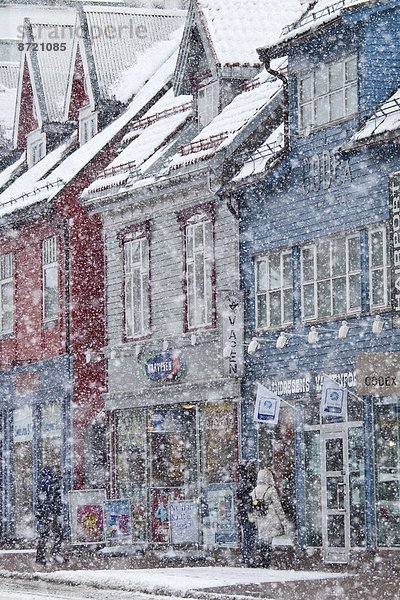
236	28
47	178
220	133
318	14
9	72
147	135
119	35
264	155
54	66
12	19
384	121
7	109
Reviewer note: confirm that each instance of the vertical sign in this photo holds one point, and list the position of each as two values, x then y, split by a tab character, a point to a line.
232	331
394	246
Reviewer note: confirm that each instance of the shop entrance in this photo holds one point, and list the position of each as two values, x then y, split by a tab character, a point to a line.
342	490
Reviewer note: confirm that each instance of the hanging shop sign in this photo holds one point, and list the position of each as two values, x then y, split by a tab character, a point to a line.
378	373
232	331
167	366
184	522
267	406
394	246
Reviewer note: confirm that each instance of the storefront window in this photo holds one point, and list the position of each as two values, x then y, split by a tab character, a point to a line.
387	447
130	452
51	427
219	447
312	470
357	486
23	464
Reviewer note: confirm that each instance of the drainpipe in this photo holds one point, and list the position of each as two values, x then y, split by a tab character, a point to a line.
267	63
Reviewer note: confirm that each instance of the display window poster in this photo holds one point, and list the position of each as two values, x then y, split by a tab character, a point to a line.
117	517
139	518
219	427
87	516
184	522
160	499
221	522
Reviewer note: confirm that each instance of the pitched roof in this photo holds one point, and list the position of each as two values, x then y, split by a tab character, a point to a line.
50	175
119	35
264	155
9	73
146	137
220	133
316	15
236	28
384	123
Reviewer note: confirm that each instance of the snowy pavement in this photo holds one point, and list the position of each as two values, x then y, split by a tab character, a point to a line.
180	580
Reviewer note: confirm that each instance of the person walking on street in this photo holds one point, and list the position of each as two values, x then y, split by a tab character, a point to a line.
49	516
247	481
270	519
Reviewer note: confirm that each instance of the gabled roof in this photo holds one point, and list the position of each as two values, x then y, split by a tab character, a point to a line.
49	176
264	91
317	15
119	35
236	28
264	156
8	96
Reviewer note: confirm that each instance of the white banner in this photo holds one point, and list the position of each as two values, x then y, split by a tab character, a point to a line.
333	399
267	406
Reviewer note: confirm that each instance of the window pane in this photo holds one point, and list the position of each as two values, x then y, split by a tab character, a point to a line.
305	89
376	242
288	306
199	276
339	256
198	236
321	81
339	296
261	276
208	284
351	99
308	264
308	301
350	69
324	298
321	110
354	254
306	115
336	102
287	270
189	244
190	285
323	260
355	292
6	303
128	306
261	310
208	236
274	271
377	289
275	308
50	292
336	76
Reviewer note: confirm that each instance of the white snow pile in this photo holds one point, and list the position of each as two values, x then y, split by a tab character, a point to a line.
180	580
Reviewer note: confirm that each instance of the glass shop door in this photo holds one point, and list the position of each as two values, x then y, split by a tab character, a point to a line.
335	493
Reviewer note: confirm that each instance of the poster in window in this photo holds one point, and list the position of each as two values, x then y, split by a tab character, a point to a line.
184	522
219	449
160	499
220	523
87	516
117	516
139	517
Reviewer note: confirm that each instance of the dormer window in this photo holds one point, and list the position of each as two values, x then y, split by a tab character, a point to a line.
207	103
87	124
36	147
328	94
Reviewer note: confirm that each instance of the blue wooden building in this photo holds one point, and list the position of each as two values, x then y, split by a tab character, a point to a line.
319	206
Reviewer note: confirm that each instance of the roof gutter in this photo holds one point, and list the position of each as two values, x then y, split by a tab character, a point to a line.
265	58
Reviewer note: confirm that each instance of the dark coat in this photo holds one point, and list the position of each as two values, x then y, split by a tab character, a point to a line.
48	501
243	491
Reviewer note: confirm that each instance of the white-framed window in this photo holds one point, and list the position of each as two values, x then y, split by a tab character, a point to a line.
137	293
35	147
328	94
331	277
379	268
6	293
274	289
199	272
88	125
207	103
50	293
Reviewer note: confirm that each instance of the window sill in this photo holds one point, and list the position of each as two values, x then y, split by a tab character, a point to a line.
50	324
140	338
304	132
